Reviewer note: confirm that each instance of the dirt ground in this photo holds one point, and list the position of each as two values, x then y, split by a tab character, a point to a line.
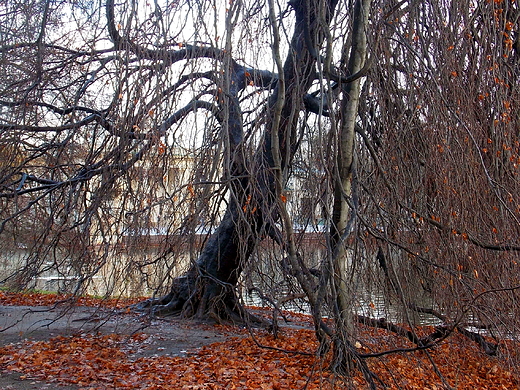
174	337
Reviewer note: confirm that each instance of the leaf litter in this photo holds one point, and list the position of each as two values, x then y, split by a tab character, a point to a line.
95	361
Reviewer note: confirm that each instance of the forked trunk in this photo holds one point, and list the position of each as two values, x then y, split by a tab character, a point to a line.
208	288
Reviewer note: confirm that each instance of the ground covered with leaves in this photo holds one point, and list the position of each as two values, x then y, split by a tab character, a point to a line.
245	359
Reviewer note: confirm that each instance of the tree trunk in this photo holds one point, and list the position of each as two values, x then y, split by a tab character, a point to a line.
208	287
342	216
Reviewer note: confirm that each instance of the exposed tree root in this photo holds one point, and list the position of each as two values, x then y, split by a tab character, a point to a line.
201	299
382	323
489	348
440	332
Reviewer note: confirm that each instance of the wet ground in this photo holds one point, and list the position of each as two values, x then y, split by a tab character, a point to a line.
172	337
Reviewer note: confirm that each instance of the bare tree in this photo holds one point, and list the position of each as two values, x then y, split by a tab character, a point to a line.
128	130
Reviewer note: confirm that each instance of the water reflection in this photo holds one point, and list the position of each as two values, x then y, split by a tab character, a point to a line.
148	272
368	303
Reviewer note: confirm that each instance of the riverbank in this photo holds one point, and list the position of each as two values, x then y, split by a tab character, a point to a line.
101	346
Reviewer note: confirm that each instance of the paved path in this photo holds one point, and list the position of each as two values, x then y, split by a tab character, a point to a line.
166	337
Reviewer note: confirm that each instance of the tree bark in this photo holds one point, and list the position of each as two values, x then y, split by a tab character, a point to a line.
342	216
208	288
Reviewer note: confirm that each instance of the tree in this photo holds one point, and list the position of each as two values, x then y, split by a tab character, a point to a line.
402	113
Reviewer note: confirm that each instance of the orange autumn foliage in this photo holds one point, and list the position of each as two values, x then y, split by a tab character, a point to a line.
243	362
39	299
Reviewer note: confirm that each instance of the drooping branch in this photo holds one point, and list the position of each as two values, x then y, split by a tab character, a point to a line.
51	107
102	166
167	56
382	323
58	129
489	348
505	247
